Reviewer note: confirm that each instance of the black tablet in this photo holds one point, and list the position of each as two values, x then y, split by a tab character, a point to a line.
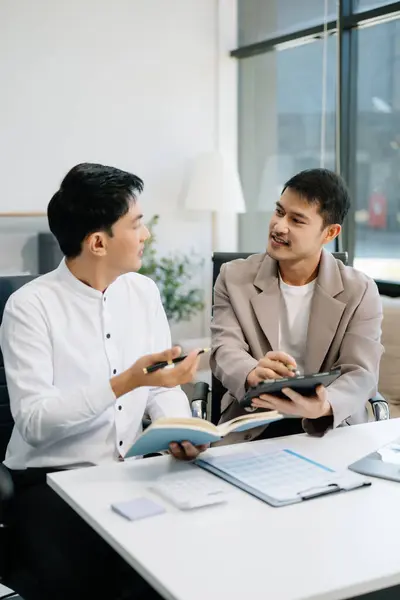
304	384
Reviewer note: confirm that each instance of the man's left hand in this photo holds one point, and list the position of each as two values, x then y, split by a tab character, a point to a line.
310	407
186	450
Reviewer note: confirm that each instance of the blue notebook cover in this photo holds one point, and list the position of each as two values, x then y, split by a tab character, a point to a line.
159	439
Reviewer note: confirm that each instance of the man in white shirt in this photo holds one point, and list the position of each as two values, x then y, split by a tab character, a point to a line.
298	308
75	342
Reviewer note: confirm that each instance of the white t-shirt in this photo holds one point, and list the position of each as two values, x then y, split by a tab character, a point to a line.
294	315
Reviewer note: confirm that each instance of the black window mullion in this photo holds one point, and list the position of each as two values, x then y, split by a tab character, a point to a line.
352	19
346	115
271	43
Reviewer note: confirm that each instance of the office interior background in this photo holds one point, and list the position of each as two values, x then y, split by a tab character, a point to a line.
274	86
151	86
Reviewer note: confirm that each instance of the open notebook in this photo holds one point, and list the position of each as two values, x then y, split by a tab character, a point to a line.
158	436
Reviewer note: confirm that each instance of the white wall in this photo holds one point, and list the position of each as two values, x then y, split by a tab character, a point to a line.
144	85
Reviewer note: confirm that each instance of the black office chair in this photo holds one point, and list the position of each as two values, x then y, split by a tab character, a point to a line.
6	486
10	575
379	405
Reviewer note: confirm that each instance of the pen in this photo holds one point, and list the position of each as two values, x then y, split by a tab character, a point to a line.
166	363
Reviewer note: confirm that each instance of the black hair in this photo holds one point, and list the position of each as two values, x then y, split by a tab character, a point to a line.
91	198
325	188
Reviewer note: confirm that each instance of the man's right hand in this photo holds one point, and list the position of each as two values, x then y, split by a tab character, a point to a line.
182	372
274	365
135	377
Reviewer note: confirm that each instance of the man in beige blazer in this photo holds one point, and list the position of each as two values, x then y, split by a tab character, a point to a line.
297	307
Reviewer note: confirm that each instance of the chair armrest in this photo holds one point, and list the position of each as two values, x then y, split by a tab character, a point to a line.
200	400
380	408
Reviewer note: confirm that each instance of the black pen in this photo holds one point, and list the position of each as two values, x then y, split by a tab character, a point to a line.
165	363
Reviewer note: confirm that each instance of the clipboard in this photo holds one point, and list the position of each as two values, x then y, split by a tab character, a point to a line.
280	477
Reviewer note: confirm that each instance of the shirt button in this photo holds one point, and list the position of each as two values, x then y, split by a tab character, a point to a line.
114	371
104	298
120	408
121	442
108	336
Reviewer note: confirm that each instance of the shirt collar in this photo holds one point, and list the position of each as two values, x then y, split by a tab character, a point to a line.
81	288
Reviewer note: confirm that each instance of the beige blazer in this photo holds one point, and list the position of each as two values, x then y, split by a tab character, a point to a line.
344	330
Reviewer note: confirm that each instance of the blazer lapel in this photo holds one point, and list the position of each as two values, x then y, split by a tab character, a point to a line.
326	312
266	303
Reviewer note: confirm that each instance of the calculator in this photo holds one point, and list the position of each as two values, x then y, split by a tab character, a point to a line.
188	490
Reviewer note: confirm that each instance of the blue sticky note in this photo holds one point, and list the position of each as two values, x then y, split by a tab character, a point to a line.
139	508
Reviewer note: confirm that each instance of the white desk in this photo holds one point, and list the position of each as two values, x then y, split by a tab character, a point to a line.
330	548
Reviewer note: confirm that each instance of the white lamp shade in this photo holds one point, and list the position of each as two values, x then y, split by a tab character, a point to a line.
214	186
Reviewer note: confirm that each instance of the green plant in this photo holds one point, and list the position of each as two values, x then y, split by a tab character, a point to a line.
172	275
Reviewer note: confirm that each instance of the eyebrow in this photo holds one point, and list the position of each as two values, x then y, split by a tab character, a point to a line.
292	212
138	218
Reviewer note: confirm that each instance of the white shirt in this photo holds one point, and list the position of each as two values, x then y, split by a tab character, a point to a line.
294	315
62	341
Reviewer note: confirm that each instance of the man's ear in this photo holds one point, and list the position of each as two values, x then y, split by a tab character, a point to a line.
332	232
96	243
